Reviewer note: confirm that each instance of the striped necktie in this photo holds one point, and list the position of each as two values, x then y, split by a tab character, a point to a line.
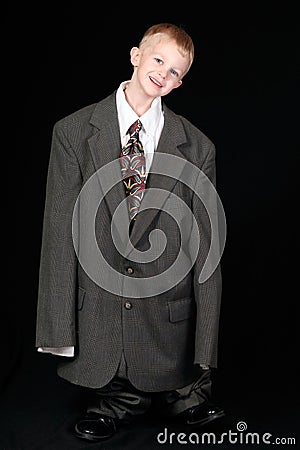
133	169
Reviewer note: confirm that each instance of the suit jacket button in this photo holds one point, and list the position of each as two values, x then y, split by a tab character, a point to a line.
130	270
128	305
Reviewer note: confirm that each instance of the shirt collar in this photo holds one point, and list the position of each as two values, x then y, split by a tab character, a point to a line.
127	116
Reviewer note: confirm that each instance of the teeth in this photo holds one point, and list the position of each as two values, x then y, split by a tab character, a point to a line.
156	82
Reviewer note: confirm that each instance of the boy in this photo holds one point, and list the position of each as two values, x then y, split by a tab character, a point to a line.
130	350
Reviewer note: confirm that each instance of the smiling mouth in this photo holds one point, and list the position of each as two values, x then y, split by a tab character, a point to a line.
155	82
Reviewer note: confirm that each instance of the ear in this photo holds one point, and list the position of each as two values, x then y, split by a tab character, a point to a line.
179	83
135	56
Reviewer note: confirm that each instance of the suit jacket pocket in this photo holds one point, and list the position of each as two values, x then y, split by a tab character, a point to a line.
181	309
81	297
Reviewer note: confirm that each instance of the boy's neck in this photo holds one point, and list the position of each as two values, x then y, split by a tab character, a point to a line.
139	103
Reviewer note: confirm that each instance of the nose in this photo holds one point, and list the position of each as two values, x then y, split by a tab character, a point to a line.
162	73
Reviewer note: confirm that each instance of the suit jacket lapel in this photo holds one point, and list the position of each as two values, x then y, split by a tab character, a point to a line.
105	147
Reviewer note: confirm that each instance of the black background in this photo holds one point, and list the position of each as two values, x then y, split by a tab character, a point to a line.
242	91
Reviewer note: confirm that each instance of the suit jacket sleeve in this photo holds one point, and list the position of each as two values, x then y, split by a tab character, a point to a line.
207	294
55	325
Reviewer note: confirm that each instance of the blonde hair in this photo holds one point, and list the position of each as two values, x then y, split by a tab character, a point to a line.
179	35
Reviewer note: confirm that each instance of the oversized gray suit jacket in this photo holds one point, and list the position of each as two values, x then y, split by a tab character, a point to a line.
165	336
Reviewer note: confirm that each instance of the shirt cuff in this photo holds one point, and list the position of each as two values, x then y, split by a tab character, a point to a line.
61	351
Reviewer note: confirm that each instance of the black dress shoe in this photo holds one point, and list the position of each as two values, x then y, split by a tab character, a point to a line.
95	427
202	414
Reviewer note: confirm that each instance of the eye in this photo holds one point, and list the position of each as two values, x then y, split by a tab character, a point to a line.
158	60
173	72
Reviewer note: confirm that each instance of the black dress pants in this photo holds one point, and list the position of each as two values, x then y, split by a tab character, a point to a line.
119	399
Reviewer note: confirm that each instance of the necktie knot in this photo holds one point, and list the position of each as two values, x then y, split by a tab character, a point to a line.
135	128
133	145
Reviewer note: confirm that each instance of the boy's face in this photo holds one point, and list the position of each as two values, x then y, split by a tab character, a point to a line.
159	67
